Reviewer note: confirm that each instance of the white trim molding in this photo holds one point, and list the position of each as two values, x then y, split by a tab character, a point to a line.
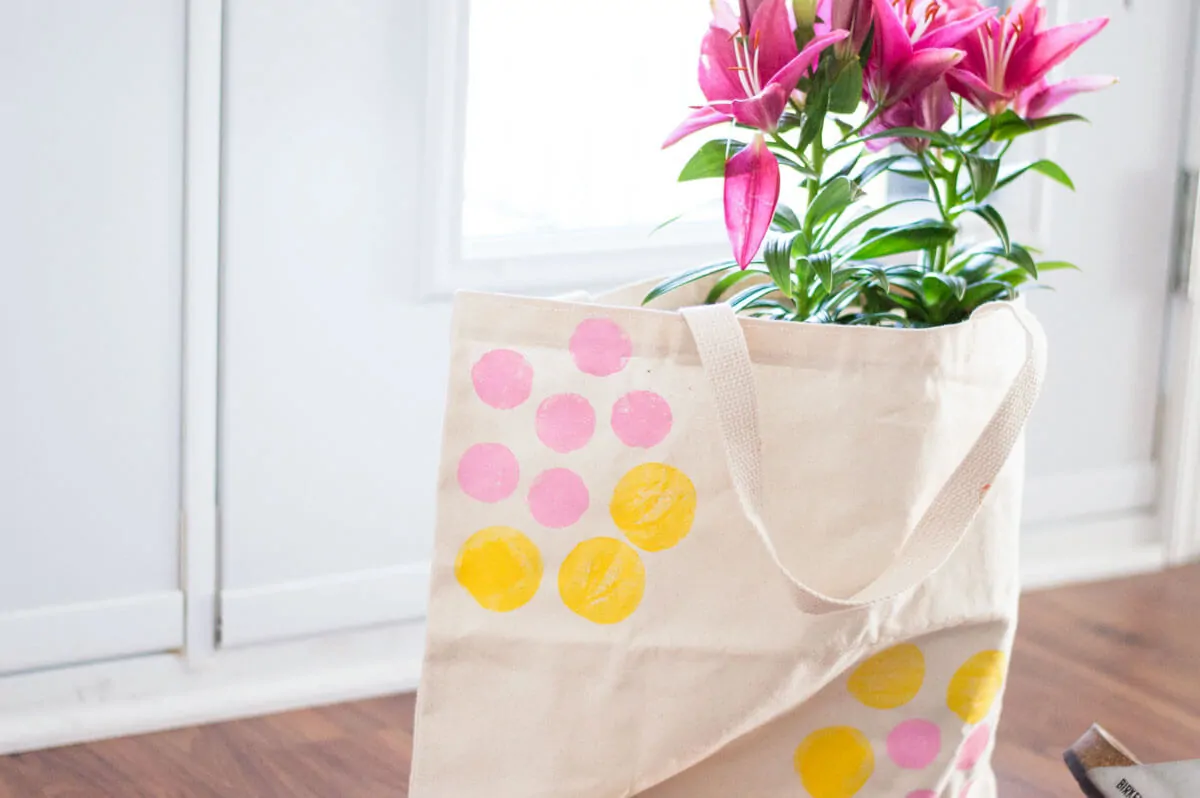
135	696
327	604
51	636
1062	498
201	313
1089	550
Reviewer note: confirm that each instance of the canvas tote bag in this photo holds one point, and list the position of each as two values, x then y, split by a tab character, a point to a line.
682	554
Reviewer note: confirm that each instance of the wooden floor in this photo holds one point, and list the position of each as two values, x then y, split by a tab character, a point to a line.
1123	653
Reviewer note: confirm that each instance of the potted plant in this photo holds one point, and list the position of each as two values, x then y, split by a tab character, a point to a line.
840	93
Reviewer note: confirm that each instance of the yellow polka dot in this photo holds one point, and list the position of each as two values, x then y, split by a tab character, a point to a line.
975	686
603	580
835	762
889	679
500	567
654	505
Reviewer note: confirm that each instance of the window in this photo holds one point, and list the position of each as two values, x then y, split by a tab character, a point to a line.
550	117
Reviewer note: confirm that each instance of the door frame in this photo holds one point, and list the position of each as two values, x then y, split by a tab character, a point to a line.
1179	434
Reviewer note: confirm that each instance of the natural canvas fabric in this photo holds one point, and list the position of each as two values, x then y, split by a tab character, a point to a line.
685	555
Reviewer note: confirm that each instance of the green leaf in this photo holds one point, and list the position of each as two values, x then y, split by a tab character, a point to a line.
1017	254
863	218
814	118
846	92
709	160
844	127
878	167
992	216
1056	265
879	243
777	254
690	276
935	136
849	167
956	286
1020	256
833	198
783	160
752	294
1046	167
725	283
789	121
984	171
785	219
986	291
1012	127
661	225
822	265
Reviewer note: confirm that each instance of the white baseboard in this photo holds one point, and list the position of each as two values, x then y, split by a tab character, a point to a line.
329	604
132	696
1054	498
55	636
147	694
1089	550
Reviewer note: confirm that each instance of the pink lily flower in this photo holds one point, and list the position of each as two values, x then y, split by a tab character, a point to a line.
1044	96
748	76
929	109
915	45
853	16
751	194
1013	53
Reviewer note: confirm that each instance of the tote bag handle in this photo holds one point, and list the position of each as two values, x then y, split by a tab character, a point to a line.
726	362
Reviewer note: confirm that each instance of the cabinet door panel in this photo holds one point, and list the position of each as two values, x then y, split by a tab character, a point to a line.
91	153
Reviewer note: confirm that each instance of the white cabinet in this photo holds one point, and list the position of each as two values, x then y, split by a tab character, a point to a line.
91	153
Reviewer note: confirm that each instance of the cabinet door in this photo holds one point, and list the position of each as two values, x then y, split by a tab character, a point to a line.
333	377
91	115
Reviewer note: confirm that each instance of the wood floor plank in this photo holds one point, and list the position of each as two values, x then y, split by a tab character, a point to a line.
1122	653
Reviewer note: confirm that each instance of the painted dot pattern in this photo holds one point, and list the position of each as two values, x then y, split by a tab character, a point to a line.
975	685
973	747
641	419
834	762
558	498
565	422
889	679
602	580
654	504
503	379
600	347
500	567
914	744
488	472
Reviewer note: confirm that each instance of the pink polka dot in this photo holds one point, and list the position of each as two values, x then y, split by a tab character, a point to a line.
503	378
914	744
921	794
565	422
972	750
600	347
488	472
558	498
641	418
